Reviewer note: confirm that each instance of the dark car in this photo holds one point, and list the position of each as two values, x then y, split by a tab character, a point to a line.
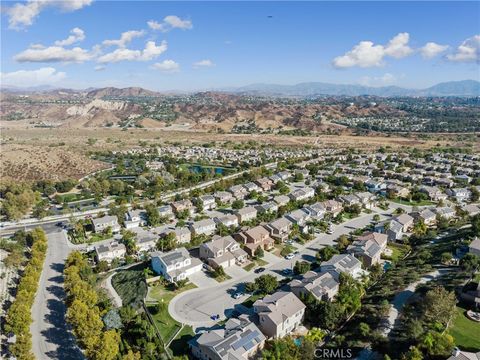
259	270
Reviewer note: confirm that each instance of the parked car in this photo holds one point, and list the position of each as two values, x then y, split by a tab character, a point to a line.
287	271
290	256
237	295
259	270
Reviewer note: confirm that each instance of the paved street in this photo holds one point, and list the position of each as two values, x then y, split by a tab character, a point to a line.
51	338
194	307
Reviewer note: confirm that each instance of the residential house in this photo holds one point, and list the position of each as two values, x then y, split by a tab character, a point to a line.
302	194
369	247
238	191
175	265
223	197
316	211
434	193
333	207
471	209
183	205
445	211
265	183
105	222
367	199
405	220
182	234
145	241
474	247
345	263
281	200
280	228
229	220
251	186
375	185
109	252
460	194
246	214
203	227
427	215
166	212
254	238
207	202
299	217
349	200
135	218
279	314
222	251
464	355
237	339
321	285
269	206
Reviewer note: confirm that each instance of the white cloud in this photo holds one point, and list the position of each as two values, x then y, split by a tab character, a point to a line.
42	76
77	35
22	15
53	54
203	64
385	79
170	22
367	54
125	39
168	66
398	47
150	52
99	68
431	49
468	51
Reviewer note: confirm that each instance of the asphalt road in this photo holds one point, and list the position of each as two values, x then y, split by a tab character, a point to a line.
51	337
194	307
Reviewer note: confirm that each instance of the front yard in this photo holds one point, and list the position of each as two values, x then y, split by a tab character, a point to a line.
254	263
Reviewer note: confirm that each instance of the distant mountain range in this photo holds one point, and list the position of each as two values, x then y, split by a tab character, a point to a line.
453	88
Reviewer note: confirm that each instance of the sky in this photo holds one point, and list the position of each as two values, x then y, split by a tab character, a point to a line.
200	45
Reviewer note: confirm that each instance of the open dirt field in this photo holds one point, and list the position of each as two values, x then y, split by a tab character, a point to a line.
58	153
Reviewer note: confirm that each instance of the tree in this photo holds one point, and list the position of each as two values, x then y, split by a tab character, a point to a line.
107	347
470	263
112	320
237	204
251	287
301	267
420	228
259	253
315	335
219	272
153	217
446	257
128	239
439	306
326	253
413	353
476	225
266	284
167	242
343	242
364	329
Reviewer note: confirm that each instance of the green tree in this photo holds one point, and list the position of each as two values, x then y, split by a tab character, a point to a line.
301	267
266	284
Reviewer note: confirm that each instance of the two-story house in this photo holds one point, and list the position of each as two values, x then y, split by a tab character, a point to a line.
280	228
279	314
321	285
175	265
223	251
246	214
203	227
254	238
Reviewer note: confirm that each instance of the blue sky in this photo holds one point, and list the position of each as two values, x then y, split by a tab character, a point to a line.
203	45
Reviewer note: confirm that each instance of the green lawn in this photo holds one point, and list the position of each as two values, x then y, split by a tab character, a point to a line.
251	299
465	332
165	323
255	263
414	203
398	252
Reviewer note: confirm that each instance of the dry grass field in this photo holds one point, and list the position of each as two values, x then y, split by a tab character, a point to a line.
58	153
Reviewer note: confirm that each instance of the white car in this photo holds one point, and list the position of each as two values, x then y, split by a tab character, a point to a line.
290	256
237	295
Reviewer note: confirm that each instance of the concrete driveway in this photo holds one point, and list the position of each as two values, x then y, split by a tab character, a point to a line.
236	271
202	280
